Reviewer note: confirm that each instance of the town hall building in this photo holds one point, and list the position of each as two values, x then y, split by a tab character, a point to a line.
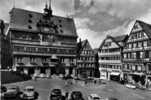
42	42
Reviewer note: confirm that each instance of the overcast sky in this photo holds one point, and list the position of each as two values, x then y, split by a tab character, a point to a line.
93	22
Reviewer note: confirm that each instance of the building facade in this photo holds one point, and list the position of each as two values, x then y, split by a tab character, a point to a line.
85	60
42	42
1	39
5	52
137	54
110	57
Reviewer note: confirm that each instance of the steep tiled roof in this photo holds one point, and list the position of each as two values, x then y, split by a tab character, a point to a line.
21	19
116	39
146	27
120	38
84	42
6	27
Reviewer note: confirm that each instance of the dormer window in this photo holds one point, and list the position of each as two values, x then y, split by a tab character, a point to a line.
59	21
60	25
30	21
61	31
30	15
29	27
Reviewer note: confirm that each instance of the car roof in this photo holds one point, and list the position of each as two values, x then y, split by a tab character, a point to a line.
12	86
29	87
94	95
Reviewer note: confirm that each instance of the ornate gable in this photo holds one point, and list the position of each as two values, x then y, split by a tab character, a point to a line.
110	43
136	27
137	32
87	46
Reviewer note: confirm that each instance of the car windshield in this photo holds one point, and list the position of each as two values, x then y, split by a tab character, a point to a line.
55	97
96	98
12	88
29	90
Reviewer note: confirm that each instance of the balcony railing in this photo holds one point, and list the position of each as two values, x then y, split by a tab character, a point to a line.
85	61
20	49
109	53
138	60
109	61
26	42
137	49
138	39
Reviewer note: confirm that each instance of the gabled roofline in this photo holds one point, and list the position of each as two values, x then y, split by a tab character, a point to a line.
109	37
140	22
82	46
38	13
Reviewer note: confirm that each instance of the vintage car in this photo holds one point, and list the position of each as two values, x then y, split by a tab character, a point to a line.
12	92
76	95
29	93
95	97
3	89
130	85
56	94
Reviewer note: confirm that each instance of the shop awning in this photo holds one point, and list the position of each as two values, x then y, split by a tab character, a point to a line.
115	73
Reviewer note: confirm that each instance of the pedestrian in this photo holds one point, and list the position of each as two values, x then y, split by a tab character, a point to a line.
35	78
63	98
85	82
94	81
66	96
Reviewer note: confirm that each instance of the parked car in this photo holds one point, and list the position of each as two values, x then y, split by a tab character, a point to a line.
3	89
56	94
12	92
130	85
76	95
95	97
29	93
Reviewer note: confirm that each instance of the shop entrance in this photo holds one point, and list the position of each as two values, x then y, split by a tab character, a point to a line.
31	71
